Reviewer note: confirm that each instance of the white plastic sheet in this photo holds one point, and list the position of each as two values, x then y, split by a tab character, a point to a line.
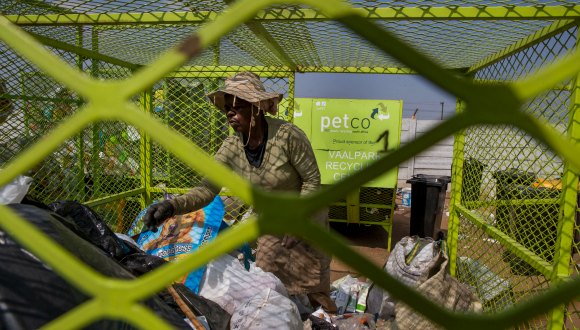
229	284
266	310
15	191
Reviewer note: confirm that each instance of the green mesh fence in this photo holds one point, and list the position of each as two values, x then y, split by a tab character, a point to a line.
513	232
514	183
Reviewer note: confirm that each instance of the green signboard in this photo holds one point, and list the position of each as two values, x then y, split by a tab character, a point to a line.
348	134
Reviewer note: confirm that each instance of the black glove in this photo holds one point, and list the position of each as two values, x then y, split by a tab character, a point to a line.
157	213
289	241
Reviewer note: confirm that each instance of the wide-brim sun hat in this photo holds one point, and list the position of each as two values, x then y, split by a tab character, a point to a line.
248	87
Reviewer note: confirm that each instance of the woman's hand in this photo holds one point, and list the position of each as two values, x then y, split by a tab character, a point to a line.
157	213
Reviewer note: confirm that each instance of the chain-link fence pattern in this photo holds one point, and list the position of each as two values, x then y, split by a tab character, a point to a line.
511	182
515	183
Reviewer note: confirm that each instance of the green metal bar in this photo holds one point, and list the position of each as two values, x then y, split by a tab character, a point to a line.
224	74
145	167
565	237
170	190
521	251
80	138
305	14
456	187
37	98
291	89
268	40
535	38
351	69
364	222
79	50
512	202
44	59
547	77
111	198
95	167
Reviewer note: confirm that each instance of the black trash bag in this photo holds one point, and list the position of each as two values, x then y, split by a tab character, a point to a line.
32	294
217	318
141	263
92	227
29	200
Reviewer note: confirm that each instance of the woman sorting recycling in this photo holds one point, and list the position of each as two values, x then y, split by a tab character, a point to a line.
274	155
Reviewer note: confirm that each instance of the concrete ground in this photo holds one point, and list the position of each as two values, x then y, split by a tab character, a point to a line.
371	241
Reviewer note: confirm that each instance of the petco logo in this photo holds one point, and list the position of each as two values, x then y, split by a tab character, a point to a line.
345	122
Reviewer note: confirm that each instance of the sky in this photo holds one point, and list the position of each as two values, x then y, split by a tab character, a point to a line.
415	91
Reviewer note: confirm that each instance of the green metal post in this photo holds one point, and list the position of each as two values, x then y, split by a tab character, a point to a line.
145	152
456	186
95	168
80	142
568	203
291	80
214	115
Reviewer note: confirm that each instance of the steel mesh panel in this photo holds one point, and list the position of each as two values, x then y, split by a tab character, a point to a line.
103	159
376	204
142	44
409	3
115	148
119	214
453	44
484	264
440	39
512	181
182	104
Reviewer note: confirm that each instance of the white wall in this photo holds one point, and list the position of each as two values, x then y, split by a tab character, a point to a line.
433	161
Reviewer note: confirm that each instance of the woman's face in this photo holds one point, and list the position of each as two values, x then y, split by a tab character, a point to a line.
239	116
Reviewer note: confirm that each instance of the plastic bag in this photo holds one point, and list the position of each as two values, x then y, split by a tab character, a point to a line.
411	258
181	235
227	282
267	310
215	316
88	224
15	191
33	294
442	289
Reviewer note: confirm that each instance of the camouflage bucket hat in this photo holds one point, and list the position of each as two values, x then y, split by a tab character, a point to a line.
248	87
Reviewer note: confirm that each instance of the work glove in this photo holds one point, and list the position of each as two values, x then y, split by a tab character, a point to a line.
157	213
289	241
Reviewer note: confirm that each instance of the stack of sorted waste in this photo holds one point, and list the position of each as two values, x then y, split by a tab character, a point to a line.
226	293
420	263
229	292
33	294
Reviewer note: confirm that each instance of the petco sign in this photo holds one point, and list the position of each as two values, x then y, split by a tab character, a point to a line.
349	134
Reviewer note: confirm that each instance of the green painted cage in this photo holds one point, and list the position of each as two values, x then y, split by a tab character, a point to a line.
104	102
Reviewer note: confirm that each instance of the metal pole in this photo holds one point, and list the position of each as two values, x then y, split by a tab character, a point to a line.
456	186
568	205
442	104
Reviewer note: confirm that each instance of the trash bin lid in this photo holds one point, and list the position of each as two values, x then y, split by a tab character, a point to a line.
518	191
515	175
431	180
548	183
